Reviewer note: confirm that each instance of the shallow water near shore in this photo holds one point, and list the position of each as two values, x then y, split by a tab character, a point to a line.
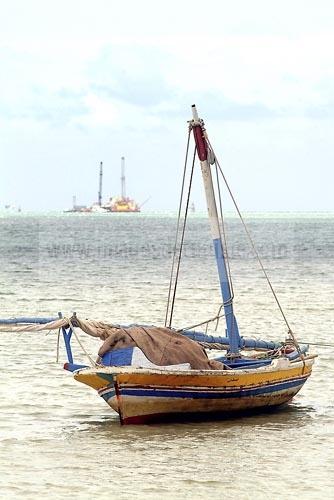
59	439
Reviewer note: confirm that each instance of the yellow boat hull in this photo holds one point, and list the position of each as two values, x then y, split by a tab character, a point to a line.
144	395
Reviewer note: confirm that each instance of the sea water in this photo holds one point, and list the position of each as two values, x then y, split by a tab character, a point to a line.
60	440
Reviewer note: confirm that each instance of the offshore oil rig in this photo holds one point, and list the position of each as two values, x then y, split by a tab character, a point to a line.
118	203
115	204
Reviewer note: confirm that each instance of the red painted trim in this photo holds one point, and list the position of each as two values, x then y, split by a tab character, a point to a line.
201	146
145	419
119	402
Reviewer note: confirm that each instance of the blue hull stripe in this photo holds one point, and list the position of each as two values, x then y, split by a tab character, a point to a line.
106	396
212	395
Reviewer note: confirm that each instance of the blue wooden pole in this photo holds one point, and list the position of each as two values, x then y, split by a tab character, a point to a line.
14	321
67	340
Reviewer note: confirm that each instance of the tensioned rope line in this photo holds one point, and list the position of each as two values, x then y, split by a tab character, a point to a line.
92	362
182	239
222	231
224	245
211	320
255	249
177	227
225	248
58	346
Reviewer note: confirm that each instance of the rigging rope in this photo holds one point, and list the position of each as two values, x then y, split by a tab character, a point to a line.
211	320
224	246
58	346
177	227
254	248
92	362
182	240
225	249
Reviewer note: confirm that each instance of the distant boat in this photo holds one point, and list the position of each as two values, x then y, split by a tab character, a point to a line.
77	208
12	209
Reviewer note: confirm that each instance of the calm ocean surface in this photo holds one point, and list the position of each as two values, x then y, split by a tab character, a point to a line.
58	439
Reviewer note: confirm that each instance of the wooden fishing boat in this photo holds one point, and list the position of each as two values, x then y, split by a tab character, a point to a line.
141	396
143	386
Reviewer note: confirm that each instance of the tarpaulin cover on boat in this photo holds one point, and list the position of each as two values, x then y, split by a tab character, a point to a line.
161	346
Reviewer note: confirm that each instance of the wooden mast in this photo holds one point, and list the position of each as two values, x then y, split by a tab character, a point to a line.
199	132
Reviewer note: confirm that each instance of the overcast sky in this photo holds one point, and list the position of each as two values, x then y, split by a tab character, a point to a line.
84	81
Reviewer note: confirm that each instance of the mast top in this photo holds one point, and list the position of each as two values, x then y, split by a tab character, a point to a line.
194	111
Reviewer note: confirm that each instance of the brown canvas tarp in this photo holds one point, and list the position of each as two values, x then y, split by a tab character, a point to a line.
161	346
